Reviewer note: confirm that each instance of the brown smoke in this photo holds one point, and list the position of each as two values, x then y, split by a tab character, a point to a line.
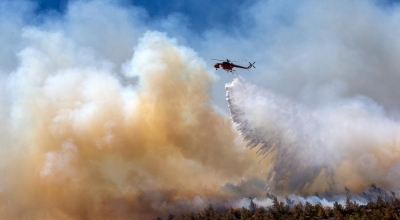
89	147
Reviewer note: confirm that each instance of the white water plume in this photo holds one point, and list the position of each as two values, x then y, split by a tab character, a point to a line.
349	143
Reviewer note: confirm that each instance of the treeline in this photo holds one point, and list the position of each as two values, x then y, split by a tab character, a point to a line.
388	208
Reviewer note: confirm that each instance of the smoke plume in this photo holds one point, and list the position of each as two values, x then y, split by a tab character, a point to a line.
110	131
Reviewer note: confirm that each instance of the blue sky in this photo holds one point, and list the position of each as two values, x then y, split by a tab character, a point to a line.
200	14
210	11
196	16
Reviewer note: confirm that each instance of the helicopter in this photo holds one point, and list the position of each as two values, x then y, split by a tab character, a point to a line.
229	65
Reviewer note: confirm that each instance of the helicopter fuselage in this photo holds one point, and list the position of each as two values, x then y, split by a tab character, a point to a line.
228	66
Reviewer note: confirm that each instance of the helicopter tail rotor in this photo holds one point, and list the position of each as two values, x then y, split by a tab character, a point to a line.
251	65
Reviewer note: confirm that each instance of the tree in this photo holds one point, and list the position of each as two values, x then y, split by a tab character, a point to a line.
297	211
289	202
209	213
320	211
337	211
245	214
252	206
259	214
234	212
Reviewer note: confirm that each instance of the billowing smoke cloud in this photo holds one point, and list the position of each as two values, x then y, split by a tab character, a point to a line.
96	125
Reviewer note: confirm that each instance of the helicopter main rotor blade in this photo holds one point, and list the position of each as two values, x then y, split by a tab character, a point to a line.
230	61
219	60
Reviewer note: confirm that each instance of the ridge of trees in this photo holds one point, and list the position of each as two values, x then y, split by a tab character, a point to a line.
380	206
